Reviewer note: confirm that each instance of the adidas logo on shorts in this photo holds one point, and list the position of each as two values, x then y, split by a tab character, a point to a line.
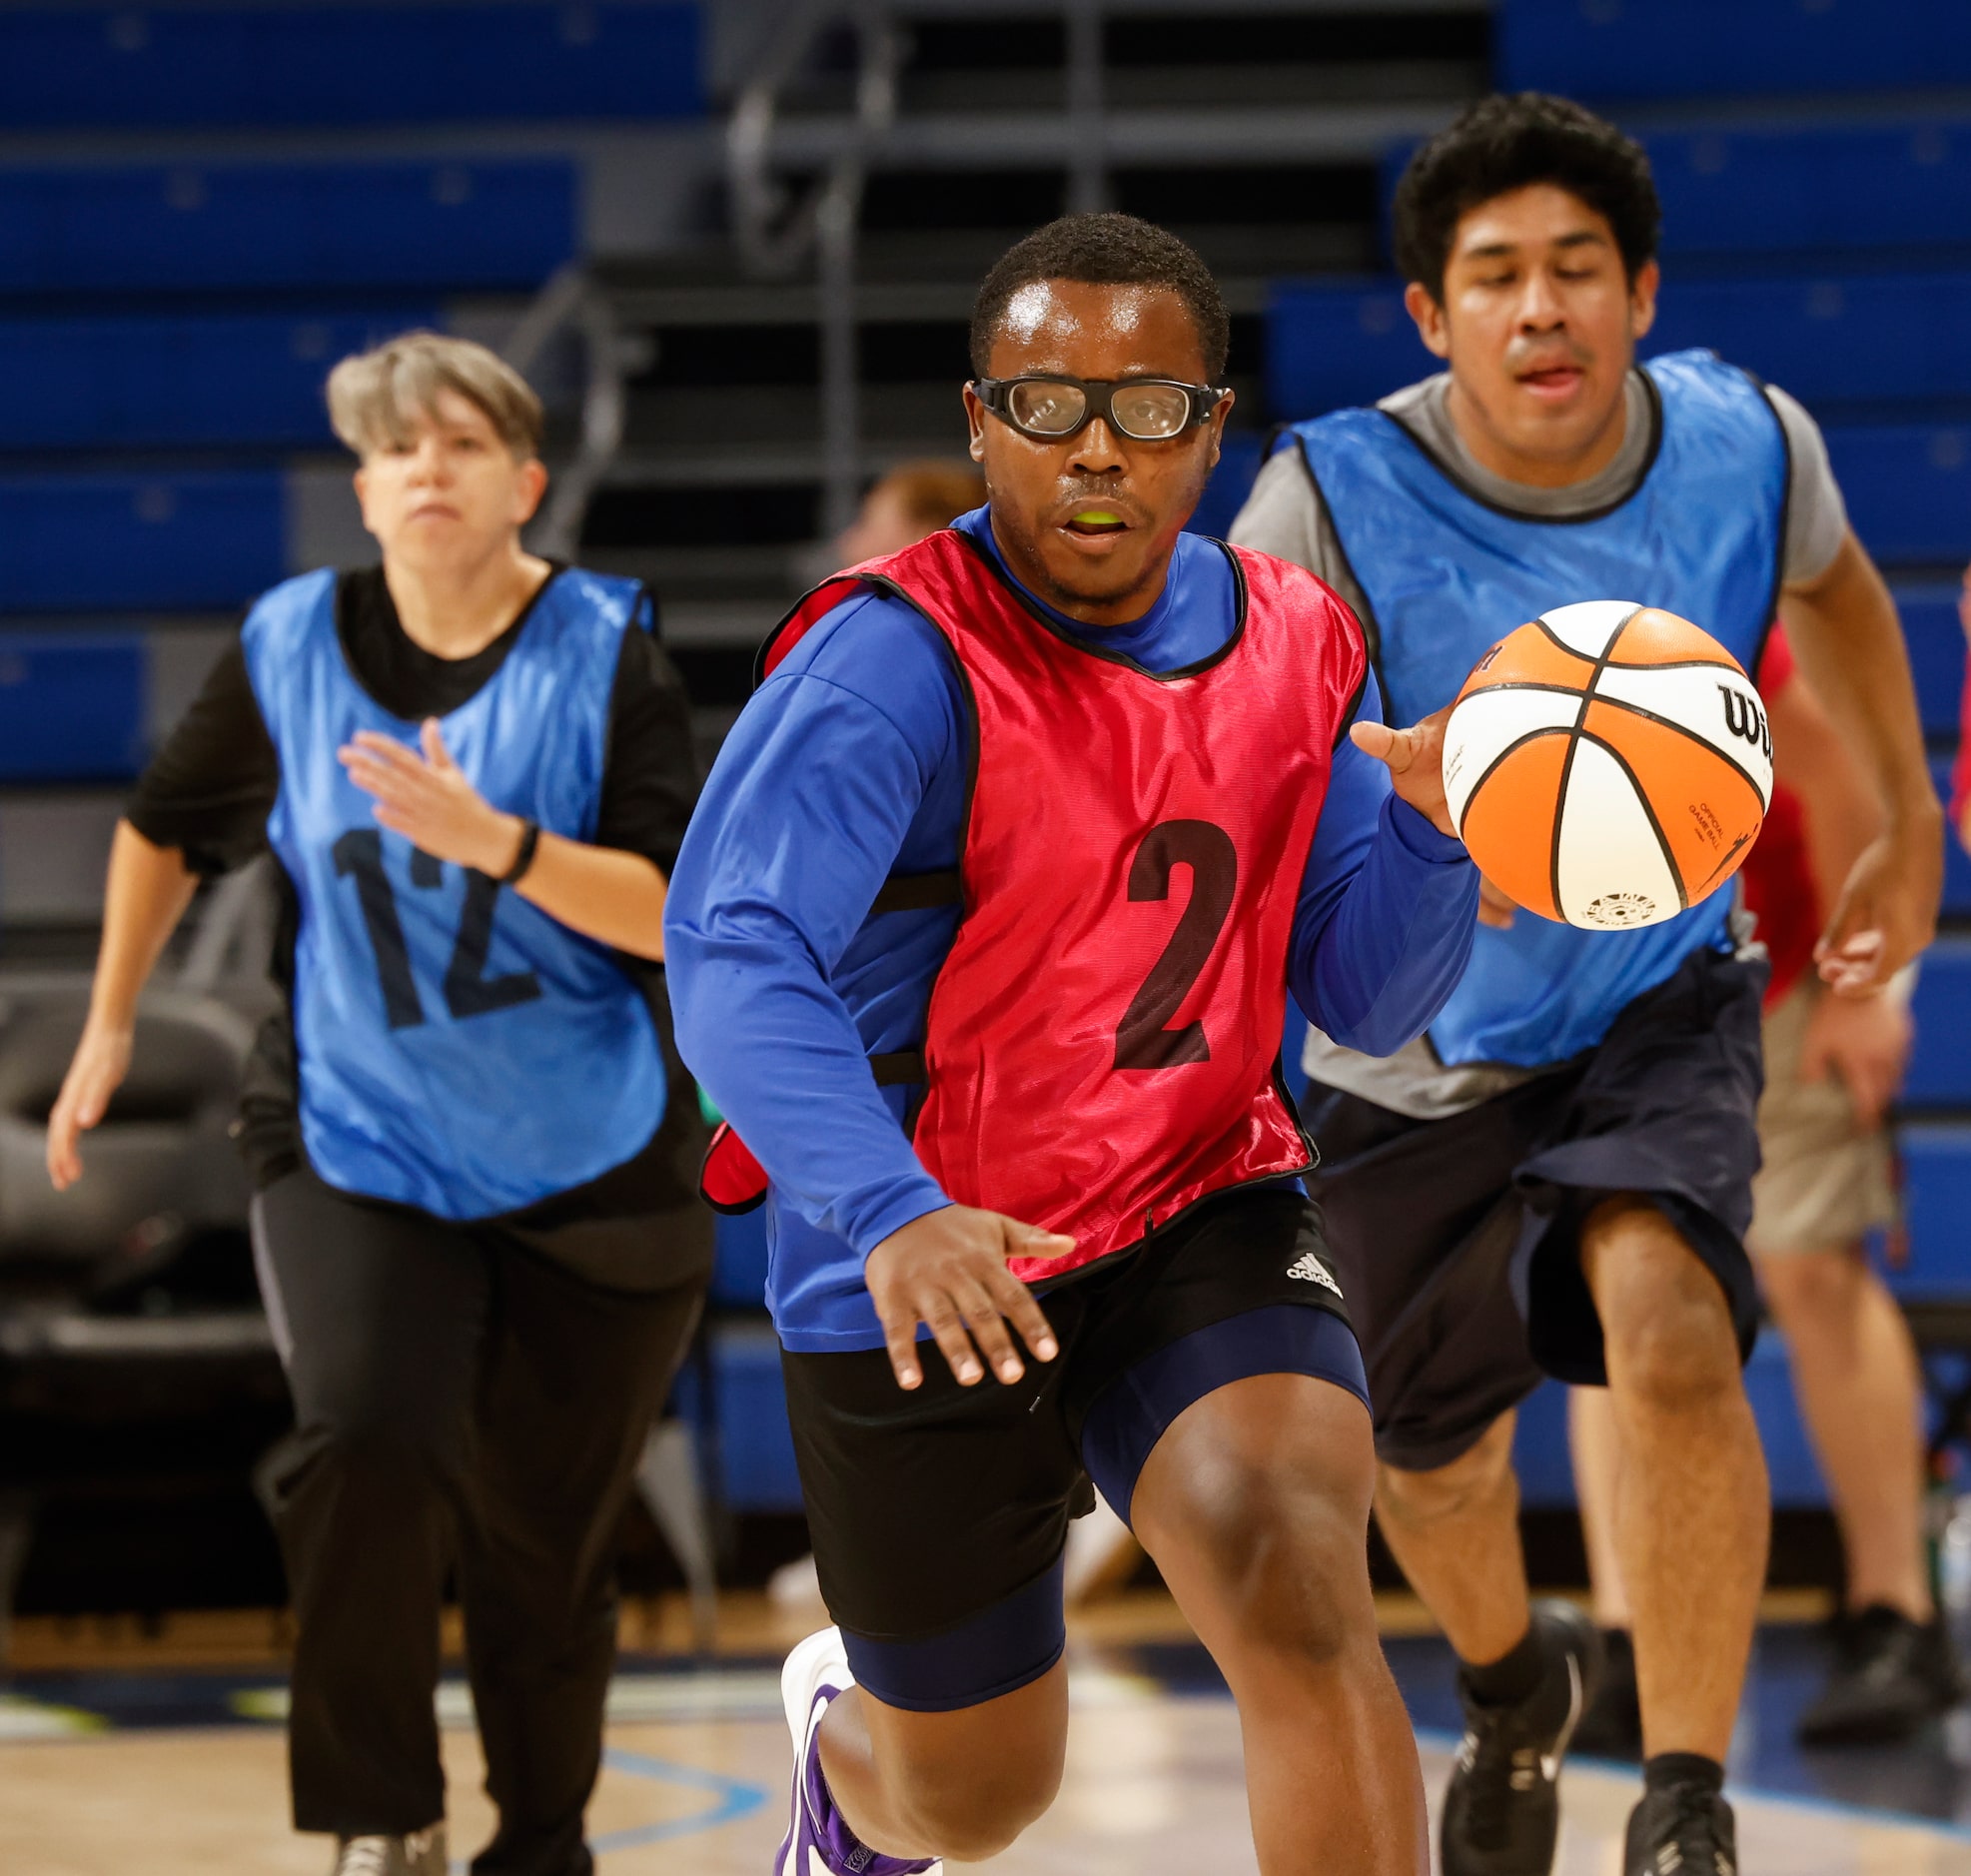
1313	1270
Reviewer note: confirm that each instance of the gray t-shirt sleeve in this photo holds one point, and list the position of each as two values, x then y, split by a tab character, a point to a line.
1283	517
1816	517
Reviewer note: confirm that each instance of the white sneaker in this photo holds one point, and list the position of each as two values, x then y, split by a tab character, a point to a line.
815	1673
421	1853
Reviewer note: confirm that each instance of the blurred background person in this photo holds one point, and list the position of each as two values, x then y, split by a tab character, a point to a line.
906	503
471	1142
1833	1068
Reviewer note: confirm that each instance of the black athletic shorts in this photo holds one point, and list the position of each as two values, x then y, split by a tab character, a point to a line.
939	1517
1456	1240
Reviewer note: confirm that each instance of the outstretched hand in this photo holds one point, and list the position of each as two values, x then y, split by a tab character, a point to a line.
1415	762
947	1270
430	801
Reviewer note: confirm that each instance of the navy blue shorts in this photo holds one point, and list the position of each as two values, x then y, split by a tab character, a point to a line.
939	1517
1458	1240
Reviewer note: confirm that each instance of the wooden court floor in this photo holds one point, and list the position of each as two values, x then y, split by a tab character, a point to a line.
694	1781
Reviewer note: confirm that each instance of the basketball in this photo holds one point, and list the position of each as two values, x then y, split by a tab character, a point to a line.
1608	765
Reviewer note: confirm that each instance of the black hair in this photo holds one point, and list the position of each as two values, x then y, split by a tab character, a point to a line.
1106	250
1503	143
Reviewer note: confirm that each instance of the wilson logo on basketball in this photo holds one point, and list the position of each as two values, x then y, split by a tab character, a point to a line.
1743	717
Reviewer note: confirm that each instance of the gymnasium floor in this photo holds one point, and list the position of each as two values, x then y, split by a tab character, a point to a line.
162	1753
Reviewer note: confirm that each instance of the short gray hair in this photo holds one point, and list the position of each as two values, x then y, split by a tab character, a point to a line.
377	397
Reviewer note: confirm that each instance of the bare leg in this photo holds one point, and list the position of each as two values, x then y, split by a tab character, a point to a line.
962	1784
1254	1505
1860	1391
1455	1531
1597	1472
1693	1510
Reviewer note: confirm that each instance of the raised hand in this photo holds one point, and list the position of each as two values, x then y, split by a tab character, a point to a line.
947	1270
431	802
1415	762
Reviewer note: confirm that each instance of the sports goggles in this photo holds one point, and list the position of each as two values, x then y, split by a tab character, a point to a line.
1149	410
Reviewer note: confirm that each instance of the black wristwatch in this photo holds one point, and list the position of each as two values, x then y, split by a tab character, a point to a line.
523	858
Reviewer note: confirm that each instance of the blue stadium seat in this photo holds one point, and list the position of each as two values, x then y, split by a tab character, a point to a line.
739	1278
190	540
743	1429
230	227
1696	48
1936	1159
1936	655
1743	192
72	706
179	381
1832	338
120	67
1940	1067
1756	190
1908	487
1330	343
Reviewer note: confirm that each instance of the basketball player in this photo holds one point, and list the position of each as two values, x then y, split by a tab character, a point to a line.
982	938
1833	1065
1558	1176
471	1140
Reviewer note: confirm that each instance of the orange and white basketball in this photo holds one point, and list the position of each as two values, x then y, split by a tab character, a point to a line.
1608	764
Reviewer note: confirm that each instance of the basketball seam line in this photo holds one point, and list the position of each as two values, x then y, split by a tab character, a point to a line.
1573	744
1703	742
1560	644
1648	813
1492	767
1635	710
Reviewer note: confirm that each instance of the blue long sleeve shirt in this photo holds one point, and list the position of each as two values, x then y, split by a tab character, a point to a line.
850	764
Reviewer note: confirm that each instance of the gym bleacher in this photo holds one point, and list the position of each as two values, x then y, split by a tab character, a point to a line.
202	207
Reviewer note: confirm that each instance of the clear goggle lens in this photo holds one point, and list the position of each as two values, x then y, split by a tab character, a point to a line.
1149	412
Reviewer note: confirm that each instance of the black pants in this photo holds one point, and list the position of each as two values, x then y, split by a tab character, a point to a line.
461	1401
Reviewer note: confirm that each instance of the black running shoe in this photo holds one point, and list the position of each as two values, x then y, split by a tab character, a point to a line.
1682	1830
1611	1728
1502	1809
1890	1675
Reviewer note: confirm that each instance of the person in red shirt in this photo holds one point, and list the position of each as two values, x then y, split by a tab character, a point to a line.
1834	1066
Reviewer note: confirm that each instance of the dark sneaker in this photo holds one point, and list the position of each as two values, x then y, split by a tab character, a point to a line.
1502	1809
420	1854
1890	1676
1611	1728
1682	1830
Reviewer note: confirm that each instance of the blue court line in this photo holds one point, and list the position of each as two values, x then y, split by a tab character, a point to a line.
1843	1808
736	1799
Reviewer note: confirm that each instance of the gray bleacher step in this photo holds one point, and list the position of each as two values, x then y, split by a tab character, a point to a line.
66	1334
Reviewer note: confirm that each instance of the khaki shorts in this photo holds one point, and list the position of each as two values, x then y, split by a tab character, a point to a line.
1826	1183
